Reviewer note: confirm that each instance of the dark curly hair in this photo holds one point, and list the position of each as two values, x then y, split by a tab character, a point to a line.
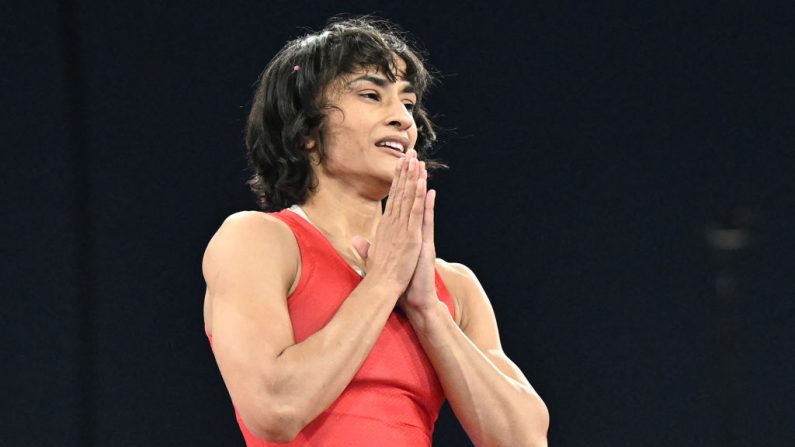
289	104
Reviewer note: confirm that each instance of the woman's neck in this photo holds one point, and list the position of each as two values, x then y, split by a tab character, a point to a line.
340	213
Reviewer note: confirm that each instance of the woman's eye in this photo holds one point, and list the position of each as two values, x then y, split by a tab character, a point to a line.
373	96
409	106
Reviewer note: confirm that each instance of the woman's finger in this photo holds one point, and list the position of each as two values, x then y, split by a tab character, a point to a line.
427	221
417	208
390	200
362	246
401	186
410	190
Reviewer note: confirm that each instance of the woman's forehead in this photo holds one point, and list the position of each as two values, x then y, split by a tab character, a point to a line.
397	69
371	72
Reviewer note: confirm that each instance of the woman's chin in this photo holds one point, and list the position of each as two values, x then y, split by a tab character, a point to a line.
384	184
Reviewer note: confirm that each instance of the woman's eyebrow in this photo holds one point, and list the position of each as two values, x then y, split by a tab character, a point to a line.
381	82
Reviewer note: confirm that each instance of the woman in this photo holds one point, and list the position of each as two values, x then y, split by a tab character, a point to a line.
331	319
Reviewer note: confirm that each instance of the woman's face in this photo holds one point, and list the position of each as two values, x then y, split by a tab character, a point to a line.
371	128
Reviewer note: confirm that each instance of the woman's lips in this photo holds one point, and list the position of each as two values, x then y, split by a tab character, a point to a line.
391	151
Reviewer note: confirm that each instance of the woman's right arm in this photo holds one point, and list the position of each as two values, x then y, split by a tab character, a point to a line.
277	385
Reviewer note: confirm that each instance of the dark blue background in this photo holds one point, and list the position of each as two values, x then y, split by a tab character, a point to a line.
590	146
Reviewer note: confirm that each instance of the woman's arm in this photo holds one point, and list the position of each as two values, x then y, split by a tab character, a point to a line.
491	397
278	385
488	393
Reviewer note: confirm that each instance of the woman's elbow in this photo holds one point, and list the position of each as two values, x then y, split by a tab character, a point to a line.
536	424
540	441
536	437
275	424
541	425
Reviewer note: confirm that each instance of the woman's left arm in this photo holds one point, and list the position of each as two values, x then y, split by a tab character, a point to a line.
488	393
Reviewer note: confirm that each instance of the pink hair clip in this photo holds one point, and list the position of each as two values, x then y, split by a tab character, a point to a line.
296	67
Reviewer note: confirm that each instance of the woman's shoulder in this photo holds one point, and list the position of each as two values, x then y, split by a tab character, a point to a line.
253	225
460	281
454	274
246	235
476	310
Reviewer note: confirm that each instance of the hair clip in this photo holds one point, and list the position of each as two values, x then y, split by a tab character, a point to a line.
296	67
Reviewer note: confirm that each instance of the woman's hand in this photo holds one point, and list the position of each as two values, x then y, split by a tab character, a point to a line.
392	255
421	292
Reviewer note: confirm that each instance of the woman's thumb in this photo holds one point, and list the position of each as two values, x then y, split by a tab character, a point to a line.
361	245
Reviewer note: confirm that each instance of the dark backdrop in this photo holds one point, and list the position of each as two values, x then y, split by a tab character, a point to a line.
591	147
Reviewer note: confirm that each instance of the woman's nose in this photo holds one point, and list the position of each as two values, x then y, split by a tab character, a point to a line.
399	117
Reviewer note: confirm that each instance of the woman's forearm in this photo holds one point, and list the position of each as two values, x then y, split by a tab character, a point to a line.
306	378
493	408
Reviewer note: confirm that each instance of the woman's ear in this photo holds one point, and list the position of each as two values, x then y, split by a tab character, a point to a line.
313	149
310	143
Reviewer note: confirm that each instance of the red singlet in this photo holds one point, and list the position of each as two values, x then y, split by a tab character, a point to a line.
394	398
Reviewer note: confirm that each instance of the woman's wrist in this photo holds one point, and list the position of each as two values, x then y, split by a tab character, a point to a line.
427	319
383	287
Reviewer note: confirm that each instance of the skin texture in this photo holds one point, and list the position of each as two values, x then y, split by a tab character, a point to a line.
252	263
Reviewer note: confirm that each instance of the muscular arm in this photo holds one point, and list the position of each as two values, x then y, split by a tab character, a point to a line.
491	397
278	385
488	393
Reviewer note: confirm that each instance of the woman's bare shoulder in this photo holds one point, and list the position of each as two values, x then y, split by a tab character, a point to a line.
454	274
465	286
249	236
457	279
